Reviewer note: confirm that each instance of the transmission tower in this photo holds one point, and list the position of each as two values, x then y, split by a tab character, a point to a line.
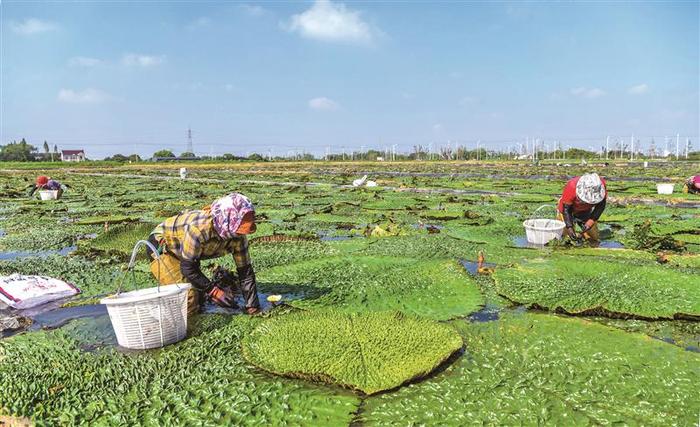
189	141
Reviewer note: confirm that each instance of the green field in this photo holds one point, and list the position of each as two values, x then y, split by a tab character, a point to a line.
384	320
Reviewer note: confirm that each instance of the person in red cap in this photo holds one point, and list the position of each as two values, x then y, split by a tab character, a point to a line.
582	203
184	240
692	185
45	183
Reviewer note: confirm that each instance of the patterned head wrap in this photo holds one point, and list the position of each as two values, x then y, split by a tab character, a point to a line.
228	213
590	189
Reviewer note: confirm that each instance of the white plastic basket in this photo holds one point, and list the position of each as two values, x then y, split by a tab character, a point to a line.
148	318
664	188
48	194
540	231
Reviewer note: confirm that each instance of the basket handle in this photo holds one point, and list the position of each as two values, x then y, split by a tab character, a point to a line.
132	262
532	216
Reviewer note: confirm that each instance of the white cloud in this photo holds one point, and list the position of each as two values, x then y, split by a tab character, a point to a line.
587	93
87	96
639	89
332	22
32	26
228	87
253	9
198	23
323	104
84	61
132	59
437	127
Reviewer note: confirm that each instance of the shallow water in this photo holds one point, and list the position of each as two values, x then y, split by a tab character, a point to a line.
9	256
472	267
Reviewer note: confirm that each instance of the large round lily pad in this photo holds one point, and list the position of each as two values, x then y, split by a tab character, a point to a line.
439	290
369	352
609	287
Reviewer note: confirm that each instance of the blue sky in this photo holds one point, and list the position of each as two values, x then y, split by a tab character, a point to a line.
131	77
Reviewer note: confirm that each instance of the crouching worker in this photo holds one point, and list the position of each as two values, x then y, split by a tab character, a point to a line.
692	185
46	183
184	240
582	203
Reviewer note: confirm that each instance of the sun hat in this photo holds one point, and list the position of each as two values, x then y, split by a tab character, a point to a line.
590	189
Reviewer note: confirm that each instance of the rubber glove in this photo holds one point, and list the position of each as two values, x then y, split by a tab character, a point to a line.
222	297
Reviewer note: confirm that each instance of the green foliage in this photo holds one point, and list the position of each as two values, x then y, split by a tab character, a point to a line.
607	287
437	290
545	370
164	153
370	352
17	152
119	241
202	380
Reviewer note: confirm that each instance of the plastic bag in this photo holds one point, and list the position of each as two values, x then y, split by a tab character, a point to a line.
20	291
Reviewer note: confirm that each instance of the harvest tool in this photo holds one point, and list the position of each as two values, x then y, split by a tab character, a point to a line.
151	317
540	231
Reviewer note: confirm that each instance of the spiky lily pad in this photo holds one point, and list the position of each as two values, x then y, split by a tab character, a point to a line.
439	290
119	241
605	287
369	352
545	370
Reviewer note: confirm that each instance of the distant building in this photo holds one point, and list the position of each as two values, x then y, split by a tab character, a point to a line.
72	155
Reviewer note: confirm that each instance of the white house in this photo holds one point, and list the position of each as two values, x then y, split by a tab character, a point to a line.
72	155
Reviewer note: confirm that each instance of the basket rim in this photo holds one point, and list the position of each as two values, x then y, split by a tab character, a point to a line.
139	295
560	225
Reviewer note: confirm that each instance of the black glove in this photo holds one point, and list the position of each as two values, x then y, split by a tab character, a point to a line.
225	278
571	233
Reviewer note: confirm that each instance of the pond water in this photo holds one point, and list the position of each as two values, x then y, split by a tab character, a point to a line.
9	256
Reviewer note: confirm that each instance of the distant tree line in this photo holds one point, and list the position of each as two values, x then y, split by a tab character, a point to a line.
22	151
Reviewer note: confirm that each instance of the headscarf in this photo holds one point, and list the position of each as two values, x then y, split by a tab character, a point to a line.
590	189
228	213
42	180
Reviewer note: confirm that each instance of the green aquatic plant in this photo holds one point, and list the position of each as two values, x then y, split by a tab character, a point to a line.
118	241
106	219
607	287
46	377
438	290
370	352
544	370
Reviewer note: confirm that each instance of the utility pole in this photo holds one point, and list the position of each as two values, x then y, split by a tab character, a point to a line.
607	146
632	148
678	140
190	149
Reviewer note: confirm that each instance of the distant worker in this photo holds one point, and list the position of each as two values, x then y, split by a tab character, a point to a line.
582	203
692	185
184	240
46	183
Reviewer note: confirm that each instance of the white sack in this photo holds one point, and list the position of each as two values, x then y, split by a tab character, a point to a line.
20	291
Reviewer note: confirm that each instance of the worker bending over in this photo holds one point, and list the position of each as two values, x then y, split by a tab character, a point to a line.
184	240
46	183
692	185
582	203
